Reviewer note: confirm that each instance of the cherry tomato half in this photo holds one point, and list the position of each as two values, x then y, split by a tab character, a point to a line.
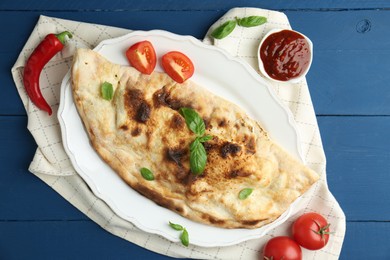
311	231
178	66
142	56
282	247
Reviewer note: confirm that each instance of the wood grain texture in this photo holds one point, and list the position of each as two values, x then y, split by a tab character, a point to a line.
42	203
86	240
189	5
350	70
67	240
344	56
366	240
348	84
358	164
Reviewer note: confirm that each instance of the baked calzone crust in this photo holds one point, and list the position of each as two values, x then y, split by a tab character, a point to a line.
141	127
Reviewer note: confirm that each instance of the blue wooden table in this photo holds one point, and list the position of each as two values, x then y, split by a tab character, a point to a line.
349	85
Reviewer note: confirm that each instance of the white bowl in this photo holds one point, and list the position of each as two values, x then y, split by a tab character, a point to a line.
261	64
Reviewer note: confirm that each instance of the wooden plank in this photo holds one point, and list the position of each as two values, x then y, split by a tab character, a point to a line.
349	73
343	59
187	5
66	240
358	164
12	104
86	240
22	195
366	240
358	90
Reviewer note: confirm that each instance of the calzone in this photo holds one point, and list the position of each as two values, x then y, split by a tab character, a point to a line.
142	127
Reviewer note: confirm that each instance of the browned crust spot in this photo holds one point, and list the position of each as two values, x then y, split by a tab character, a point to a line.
222	122
159	98
124	127
251	223
238	173
175	155
213	220
136	106
143	112
136	131
163	98
177	122
229	149
250	144
157	198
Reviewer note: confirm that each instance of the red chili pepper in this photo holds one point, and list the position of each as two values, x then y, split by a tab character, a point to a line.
52	44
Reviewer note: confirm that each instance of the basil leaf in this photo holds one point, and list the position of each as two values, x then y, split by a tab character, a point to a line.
175	226
198	157
107	90
224	30
184	238
147	174
205	138
244	193
193	120
251	21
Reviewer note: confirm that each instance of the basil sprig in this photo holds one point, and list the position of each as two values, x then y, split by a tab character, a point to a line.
147	174
251	21
224	30
198	155
184	237
244	193
193	120
176	226
107	91
227	27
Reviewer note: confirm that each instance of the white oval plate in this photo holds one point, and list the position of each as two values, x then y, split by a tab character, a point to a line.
223	75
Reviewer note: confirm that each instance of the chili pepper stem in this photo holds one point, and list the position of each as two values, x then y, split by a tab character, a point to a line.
62	36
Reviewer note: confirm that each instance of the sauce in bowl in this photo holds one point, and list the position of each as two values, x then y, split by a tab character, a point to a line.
285	55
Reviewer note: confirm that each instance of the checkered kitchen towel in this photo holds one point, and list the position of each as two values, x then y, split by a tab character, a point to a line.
52	165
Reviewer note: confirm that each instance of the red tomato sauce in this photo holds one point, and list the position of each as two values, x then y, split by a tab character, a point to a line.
285	55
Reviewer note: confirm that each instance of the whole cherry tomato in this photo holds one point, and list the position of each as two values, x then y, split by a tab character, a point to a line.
142	56
282	247
311	231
